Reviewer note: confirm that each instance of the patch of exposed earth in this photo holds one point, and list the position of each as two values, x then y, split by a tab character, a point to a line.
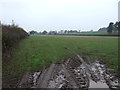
73	73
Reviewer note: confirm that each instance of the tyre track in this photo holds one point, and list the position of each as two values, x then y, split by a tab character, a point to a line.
74	73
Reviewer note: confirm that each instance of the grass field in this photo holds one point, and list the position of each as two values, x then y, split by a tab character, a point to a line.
36	52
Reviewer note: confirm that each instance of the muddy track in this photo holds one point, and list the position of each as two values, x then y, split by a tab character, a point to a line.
74	73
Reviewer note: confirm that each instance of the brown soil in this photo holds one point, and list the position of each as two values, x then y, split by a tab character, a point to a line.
72	73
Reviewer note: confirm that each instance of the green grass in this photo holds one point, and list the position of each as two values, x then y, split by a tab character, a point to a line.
36	52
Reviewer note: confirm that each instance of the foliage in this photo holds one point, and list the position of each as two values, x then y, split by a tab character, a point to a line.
110	27
10	35
33	32
116	26
44	32
119	27
52	33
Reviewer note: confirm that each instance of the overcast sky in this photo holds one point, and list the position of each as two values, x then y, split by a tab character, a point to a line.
49	15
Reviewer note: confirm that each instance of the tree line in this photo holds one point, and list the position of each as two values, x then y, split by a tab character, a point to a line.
53	32
112	28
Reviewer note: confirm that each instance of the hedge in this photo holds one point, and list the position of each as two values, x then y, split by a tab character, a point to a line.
11	35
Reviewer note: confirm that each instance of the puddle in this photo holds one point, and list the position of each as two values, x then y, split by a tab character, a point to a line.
93	84
58	82
73	74
35	77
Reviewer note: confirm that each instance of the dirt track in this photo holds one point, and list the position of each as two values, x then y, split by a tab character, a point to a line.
73	73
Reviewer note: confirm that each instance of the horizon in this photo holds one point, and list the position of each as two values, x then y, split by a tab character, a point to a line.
52	15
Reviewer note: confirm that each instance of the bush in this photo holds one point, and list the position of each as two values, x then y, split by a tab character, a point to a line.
11	35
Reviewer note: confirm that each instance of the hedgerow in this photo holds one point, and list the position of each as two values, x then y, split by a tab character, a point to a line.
11	35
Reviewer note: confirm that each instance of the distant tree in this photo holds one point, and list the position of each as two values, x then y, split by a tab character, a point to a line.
44	32
91	30
119	27
65	32
39	33
104	29
110	27
33	32
52	32
115	27
14	25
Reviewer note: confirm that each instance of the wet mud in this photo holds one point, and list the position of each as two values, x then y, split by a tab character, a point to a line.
74	73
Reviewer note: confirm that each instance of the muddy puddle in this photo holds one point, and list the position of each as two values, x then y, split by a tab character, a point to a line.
73	73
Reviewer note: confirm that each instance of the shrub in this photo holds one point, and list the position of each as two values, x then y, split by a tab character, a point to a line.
11	35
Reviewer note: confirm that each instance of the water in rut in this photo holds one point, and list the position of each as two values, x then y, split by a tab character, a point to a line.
73	73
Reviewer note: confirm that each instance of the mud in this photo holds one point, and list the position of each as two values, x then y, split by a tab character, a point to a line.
73	73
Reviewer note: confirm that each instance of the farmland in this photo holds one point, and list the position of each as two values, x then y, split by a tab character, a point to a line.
36	52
